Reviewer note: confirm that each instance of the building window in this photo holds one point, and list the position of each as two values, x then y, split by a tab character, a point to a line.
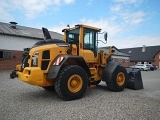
5	55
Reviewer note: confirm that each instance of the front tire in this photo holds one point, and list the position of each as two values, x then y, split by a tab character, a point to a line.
71	82
119	79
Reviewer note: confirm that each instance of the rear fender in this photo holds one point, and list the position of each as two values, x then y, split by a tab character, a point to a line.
108	70
55	67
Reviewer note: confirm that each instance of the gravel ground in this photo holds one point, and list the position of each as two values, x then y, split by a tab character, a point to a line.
20	101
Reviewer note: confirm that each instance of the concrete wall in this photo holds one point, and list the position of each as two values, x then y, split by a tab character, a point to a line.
15	43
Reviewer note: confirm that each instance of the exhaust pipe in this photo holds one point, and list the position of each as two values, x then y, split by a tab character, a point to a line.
46	33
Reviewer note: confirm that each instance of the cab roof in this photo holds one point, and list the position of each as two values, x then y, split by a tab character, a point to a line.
82	25
90	27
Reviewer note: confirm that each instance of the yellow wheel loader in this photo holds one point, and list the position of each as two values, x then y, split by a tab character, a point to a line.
70	66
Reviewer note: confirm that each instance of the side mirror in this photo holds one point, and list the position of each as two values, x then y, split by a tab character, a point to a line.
105	36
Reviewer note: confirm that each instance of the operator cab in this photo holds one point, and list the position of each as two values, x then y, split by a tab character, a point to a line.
85	37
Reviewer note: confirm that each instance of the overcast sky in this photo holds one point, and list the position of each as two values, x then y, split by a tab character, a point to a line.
129	23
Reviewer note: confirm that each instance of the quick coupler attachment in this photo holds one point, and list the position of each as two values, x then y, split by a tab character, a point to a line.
13	74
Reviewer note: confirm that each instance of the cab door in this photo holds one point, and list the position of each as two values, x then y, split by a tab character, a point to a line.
88	47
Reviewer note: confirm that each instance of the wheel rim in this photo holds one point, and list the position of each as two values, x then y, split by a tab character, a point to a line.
75	83
120	78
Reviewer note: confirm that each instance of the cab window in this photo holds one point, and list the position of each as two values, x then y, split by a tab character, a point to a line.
73	35
90	37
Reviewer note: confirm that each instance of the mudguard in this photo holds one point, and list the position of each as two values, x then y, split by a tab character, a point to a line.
54	69
108	70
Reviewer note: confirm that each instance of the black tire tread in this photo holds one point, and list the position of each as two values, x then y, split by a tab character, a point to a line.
112	85
60	79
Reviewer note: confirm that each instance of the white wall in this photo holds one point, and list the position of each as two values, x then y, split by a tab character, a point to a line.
15	43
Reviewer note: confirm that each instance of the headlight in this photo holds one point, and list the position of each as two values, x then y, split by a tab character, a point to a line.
35	59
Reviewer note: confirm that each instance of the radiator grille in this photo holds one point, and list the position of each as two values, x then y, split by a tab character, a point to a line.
44	65
46	54
45	59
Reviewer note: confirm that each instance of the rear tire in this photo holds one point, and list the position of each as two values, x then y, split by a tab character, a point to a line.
71	82
119	79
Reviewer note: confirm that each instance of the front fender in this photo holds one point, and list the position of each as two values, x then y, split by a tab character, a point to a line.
108	70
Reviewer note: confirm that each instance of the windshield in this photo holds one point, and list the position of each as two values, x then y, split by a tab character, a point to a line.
73	35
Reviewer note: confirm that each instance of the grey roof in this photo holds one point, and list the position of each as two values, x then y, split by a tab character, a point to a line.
116	53
22	31
137	54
